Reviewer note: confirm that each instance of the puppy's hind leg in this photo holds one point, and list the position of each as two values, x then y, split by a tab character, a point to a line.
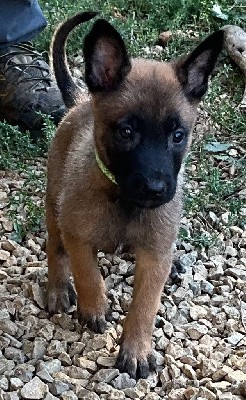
61	294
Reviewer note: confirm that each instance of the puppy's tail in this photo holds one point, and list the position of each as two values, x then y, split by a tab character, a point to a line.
67	86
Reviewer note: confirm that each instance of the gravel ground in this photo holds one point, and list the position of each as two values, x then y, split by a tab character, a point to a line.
200	331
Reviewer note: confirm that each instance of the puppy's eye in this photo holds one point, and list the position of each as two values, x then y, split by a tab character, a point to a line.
178	136
125	132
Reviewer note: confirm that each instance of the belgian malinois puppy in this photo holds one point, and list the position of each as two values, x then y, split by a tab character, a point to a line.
115	176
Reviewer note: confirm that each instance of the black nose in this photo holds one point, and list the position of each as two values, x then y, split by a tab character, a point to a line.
154	188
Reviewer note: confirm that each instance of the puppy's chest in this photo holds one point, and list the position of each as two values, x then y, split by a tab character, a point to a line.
111	231
116	229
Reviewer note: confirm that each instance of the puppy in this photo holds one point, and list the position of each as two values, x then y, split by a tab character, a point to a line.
115	176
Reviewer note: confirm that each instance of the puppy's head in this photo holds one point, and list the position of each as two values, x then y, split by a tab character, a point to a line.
144	112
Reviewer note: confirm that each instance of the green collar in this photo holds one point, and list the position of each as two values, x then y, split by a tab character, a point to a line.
104	169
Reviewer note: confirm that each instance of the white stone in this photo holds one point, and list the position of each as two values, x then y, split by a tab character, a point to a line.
35	389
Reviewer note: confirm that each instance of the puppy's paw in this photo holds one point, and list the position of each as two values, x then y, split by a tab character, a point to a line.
136	365
96	323
61	298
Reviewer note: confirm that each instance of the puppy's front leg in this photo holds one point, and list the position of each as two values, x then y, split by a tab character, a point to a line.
135	356
90	287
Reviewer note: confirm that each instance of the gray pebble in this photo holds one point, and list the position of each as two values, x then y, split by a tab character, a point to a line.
39	348
57	387
51	366
133	393
106	361
6	365
11	353
105	375
196	331
207	287
15	383
35	389
4	383
11	396
69	395
123	381
45	376
50	396
87	395
24	372
187	260
9	327
235	338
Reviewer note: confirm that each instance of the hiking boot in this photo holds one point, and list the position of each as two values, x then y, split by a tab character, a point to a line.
27	88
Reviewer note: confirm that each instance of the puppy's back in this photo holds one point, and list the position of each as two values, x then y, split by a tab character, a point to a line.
68	131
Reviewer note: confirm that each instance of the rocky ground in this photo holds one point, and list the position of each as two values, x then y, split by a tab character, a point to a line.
199	338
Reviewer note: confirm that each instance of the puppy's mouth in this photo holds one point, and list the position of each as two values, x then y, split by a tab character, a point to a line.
149	203
142	203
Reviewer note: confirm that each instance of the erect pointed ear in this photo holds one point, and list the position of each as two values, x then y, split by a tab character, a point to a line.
193	71
106	59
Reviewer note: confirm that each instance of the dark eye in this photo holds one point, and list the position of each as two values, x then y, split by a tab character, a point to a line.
125	132
178	136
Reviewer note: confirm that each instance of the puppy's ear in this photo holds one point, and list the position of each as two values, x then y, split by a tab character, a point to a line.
106	59
193	71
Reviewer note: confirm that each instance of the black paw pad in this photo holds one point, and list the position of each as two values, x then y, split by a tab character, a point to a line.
136	367
96	324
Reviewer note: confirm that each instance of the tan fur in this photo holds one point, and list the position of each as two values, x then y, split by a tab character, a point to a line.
83	213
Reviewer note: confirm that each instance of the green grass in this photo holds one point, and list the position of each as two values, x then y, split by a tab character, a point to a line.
140	23
19	153
220	191
26	208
